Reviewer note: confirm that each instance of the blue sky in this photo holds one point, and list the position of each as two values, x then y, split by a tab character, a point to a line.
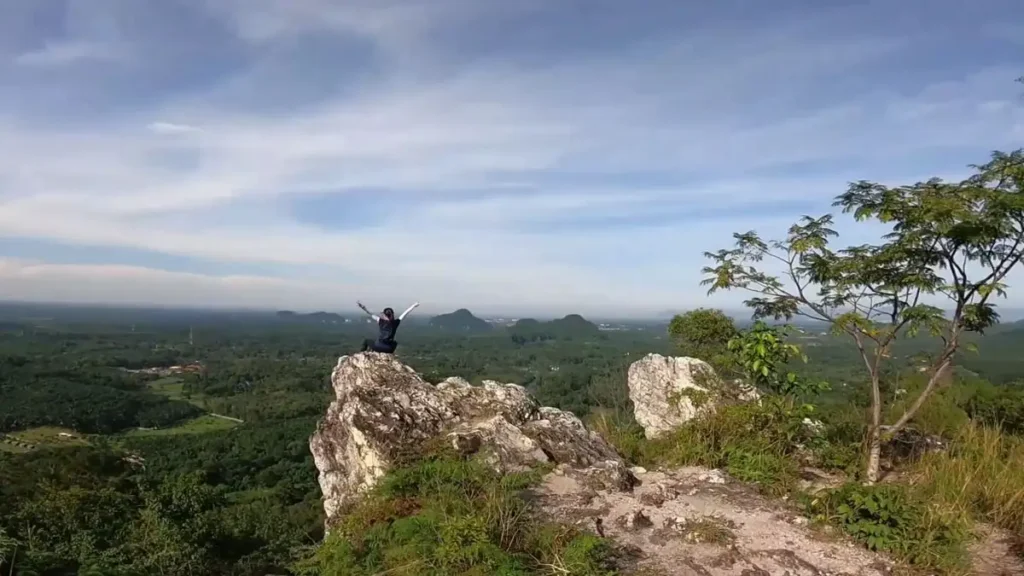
536	156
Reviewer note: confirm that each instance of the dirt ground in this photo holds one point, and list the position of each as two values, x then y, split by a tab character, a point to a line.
697	522
996	553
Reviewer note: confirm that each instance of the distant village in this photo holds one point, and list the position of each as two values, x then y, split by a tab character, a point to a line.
191	368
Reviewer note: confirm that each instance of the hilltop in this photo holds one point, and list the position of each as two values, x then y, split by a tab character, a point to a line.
688	485
569	327
314	317
574	324
462	320
446	456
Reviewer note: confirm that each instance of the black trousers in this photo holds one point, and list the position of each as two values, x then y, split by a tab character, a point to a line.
371	345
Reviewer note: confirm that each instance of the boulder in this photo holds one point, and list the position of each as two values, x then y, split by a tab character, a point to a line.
669	391
384	412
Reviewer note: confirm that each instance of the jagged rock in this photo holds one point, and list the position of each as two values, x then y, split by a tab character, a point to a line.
712	477
669	391
605	475
634	520
655	499
384	412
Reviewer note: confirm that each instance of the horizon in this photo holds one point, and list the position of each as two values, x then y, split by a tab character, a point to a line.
533	156
742	315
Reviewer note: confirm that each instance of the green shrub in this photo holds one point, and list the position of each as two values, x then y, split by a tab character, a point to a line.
773	472
705	333
890	518
840	447
845	457
755	442
998	406
444	516
942	415
565	550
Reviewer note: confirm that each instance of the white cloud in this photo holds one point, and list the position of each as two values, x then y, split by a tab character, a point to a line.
171	128
35	281
92	284
499	156
56	54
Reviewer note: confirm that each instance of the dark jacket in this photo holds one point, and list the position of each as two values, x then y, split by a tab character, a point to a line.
388	328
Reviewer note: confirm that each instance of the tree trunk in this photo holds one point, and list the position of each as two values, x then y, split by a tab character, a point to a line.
874	432
874	455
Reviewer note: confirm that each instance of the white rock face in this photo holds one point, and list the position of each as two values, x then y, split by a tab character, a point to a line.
384	411
669	391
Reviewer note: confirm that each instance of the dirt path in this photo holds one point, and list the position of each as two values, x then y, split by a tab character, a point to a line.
696	522
996	553
226	418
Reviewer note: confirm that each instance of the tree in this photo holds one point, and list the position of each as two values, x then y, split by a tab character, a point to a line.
704	333
8	549
956	240
762	355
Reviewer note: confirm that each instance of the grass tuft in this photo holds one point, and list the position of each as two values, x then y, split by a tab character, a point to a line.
981	475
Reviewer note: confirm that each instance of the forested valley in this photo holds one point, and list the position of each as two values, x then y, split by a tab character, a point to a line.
156	443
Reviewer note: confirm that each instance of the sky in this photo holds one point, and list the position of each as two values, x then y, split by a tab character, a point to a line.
526	157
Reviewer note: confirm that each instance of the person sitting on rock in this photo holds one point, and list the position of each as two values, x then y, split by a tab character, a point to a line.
388	325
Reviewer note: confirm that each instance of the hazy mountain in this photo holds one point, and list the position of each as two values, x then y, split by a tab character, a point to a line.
314	318
571	326
461	320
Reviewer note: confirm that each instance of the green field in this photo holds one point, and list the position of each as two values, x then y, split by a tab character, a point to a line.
200	425
170	386
7	445
173	388
49	436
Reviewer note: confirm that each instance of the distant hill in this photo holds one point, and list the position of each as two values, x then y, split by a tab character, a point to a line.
571	327
527	324
574	324
314	318
461	320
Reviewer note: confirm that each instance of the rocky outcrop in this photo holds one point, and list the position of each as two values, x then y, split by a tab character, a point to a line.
383	412
699	522
669	391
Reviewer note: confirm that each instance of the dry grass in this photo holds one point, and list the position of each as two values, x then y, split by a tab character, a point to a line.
708	530
621	431
981	476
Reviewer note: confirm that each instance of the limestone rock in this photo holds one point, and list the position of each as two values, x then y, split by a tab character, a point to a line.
610	475
669	391
383	412
713	476
633	520
716	532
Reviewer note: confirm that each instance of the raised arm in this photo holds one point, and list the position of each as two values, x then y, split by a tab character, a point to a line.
370	314
407	310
